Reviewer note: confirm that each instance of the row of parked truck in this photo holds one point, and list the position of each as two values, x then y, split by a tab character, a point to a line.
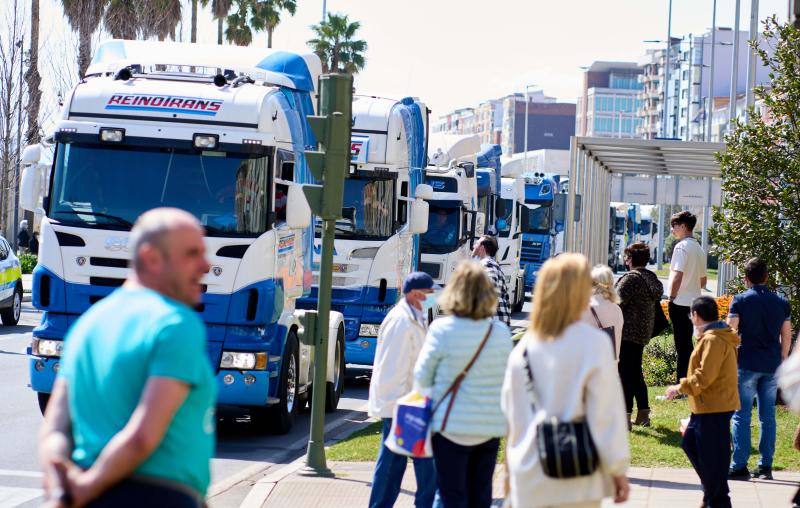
221	132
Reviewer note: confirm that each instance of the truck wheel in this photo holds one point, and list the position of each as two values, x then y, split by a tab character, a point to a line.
43	398
10	316
519	303
334	390
281	416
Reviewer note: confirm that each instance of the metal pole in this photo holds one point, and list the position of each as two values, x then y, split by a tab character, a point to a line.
751	59
324	9
734	68
661	234
689	88
710	101
525	142
667	65
315	454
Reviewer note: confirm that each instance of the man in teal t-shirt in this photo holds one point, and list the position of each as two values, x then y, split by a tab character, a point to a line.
136	386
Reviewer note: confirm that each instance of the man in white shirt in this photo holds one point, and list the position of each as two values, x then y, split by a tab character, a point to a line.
400	339
687	277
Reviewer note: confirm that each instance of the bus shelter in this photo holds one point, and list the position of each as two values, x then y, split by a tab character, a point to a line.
595	163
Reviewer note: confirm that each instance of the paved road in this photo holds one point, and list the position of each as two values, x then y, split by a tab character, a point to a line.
243	452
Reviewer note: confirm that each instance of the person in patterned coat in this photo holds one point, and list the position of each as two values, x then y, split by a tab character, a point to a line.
638	290
485	250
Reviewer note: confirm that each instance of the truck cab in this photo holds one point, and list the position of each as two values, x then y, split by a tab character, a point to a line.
538	225
217	131
509	209
374	247
619	227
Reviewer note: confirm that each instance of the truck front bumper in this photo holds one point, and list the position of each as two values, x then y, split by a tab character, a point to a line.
243	387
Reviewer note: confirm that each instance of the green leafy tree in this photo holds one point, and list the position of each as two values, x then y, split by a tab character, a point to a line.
220	10
760	214
336	45
238	31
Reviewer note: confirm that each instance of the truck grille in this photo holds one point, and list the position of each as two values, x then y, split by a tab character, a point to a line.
531	252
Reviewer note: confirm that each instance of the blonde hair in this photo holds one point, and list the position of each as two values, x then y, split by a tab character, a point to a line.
469	293
561	295
603	283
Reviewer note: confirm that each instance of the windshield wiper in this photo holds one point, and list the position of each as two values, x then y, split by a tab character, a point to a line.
119	220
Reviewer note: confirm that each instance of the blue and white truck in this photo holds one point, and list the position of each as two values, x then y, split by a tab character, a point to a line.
538	225
377	243
220	132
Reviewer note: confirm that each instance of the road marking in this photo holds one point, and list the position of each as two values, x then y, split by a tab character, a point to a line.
25	474
15	496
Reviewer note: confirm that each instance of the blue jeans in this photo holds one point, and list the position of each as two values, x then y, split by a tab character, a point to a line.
764	388
389	472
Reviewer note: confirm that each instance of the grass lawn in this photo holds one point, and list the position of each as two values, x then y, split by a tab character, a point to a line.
658	445
664	272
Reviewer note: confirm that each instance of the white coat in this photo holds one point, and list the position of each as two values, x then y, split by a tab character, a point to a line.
575	377
400	340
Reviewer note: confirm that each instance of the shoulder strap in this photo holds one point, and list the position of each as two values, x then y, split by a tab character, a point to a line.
529	372
596	317
456	385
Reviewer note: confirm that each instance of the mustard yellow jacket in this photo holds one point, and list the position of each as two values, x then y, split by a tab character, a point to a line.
712	380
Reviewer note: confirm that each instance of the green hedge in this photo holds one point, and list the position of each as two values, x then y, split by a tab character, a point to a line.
660	360
27	262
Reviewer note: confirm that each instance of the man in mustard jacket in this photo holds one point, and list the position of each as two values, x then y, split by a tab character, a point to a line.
712	386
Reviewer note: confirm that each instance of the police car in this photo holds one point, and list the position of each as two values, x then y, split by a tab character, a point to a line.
10	285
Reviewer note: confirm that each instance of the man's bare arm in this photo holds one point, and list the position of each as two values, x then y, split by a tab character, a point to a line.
677	279
703	282
161	399
786	339
55	439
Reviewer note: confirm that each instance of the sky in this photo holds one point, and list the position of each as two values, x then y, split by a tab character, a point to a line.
458	53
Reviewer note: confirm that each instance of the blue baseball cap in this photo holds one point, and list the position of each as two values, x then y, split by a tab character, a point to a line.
418	280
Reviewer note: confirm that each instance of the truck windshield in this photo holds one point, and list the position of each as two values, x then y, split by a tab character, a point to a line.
537	220
367	209
504	208
619	225
99	186
442	236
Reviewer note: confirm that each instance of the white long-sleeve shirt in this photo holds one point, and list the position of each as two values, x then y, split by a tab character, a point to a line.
575	377
610	314
400	339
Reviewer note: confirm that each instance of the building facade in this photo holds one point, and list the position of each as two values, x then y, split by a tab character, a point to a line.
610	101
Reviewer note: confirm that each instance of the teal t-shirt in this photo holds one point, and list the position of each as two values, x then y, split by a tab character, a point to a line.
110	353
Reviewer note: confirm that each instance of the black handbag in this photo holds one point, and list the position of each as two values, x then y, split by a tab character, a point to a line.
566	449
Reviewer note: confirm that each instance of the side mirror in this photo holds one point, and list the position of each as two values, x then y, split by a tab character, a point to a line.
30	185
298	212
423	191
418	218
31	154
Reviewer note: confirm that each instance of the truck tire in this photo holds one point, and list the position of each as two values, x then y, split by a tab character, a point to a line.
10	316
334	390
43	399
519	303
281	415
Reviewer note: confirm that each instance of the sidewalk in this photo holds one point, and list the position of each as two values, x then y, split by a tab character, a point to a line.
650	488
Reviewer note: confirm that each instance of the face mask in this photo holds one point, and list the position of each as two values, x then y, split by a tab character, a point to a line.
429	302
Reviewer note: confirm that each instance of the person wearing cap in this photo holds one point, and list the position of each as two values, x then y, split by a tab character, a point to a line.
400	339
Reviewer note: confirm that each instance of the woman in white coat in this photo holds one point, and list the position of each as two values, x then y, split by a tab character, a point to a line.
574	378
604	311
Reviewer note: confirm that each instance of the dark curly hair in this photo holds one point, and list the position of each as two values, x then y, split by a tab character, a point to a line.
639	253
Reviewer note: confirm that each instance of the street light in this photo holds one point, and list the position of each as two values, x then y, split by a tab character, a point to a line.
525	143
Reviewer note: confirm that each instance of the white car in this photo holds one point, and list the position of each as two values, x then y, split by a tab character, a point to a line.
10	285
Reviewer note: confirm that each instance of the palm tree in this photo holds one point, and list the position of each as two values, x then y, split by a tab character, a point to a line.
267	15
238	31
164	17
33	79
220	10
84	17
122	19
336	47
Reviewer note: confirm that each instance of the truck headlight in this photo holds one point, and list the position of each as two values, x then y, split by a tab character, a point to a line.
368	330
46	347
243	361
205	141
112	135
